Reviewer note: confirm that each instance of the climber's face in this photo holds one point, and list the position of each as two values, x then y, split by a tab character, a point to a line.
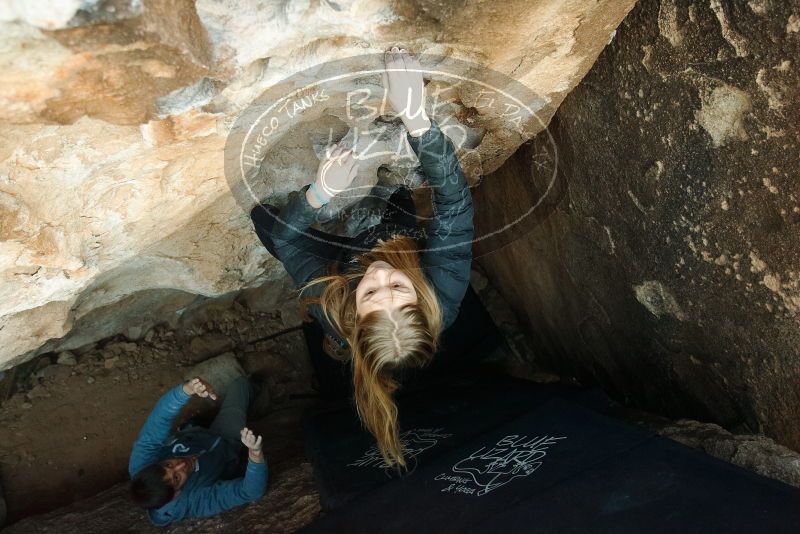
178	471
383	288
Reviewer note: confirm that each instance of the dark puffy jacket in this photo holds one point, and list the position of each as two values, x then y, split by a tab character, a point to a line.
447	256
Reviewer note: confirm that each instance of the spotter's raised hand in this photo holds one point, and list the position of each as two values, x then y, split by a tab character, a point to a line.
201	388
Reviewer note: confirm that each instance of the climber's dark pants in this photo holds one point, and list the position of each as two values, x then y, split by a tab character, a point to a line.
400	210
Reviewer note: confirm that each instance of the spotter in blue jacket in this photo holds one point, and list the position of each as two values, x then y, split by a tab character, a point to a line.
212	487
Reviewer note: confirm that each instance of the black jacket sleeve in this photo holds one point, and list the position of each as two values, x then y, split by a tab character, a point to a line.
294	246
448	253
290	237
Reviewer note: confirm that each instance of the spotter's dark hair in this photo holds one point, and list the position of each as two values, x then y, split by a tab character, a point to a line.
149	489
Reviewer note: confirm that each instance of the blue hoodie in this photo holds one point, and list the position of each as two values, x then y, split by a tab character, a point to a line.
206	492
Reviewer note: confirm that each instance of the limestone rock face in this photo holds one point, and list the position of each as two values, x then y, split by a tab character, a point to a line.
664	264
115	210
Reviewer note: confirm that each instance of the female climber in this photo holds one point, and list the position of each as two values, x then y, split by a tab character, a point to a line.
381	294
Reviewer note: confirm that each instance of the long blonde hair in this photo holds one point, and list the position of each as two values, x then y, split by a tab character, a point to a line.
383	341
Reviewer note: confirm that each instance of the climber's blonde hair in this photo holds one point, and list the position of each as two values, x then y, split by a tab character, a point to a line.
383	341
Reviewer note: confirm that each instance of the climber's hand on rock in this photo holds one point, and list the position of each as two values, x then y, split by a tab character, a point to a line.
199	387
336	172
405	89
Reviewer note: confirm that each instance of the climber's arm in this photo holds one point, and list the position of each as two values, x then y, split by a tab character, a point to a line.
291	239
448	255
290	236
156	429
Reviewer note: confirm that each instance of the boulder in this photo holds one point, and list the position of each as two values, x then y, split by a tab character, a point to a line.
66	358
208	345
662	262
116	210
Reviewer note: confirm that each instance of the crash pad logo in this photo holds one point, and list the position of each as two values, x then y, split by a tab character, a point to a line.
275	145
489	468
414	442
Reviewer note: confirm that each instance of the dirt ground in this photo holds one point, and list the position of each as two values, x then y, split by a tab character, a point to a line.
69	419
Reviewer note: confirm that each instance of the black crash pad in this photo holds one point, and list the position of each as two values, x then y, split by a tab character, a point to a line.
347	463
555	467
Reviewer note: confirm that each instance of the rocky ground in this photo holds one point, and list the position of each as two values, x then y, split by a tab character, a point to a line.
292	503
751	451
